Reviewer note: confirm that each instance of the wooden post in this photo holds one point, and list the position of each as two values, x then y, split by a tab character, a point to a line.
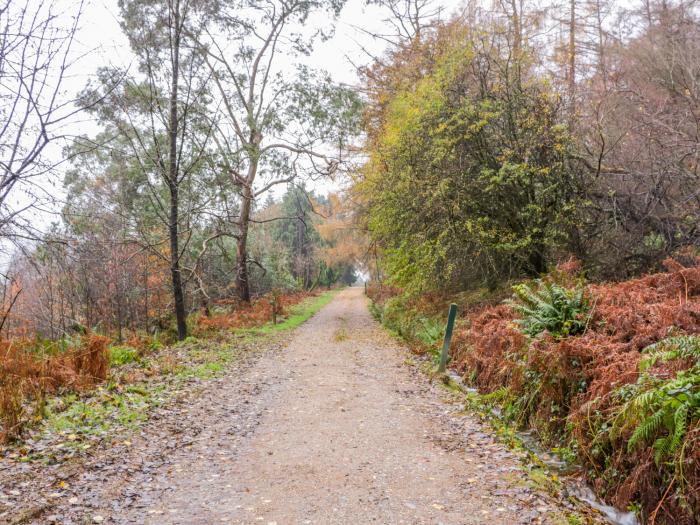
274	302
451	316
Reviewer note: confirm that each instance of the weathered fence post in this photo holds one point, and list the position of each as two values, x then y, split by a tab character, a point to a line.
448	337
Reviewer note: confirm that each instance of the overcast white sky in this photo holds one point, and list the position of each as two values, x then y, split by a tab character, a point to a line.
101	41
100	31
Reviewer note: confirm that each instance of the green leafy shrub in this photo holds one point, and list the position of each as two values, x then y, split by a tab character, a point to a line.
550	307
659	410
429	331
397	317
120	355
402	317
468	187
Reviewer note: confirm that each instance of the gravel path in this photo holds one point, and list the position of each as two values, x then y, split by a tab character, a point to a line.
334	428
347	434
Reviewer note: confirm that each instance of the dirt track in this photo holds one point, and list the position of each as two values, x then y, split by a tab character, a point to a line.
334	428
346	436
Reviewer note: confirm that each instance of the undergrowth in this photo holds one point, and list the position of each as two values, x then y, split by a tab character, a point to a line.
549	307
660	410
406	318
81	386
607	374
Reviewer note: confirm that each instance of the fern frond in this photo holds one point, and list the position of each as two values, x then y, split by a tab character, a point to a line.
661	448
645	401
678	347
680	423
646	430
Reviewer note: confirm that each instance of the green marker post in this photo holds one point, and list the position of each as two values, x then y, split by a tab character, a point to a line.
451	316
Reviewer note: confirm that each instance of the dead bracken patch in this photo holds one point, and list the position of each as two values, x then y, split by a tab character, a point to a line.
27	375
234	314
577	383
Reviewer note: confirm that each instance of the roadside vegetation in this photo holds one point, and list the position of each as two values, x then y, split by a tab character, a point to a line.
606	375
58	402
534	189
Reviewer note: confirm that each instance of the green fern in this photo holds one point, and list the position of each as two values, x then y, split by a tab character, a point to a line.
429	331
550	307
680	347
667	445
500	395
646	430
661	410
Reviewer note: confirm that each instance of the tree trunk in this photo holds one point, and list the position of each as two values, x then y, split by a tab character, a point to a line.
120	315
176	276
572	60
145	293
242	283
173	181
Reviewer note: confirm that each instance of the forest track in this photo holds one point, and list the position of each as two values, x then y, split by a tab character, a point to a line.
332	428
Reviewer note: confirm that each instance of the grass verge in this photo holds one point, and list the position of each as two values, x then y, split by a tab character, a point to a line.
299	314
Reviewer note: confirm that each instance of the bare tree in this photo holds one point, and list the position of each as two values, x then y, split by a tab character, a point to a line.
407	19
35	56
640	141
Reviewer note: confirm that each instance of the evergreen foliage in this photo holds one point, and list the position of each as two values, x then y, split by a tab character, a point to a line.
659	410
550	307
468	181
